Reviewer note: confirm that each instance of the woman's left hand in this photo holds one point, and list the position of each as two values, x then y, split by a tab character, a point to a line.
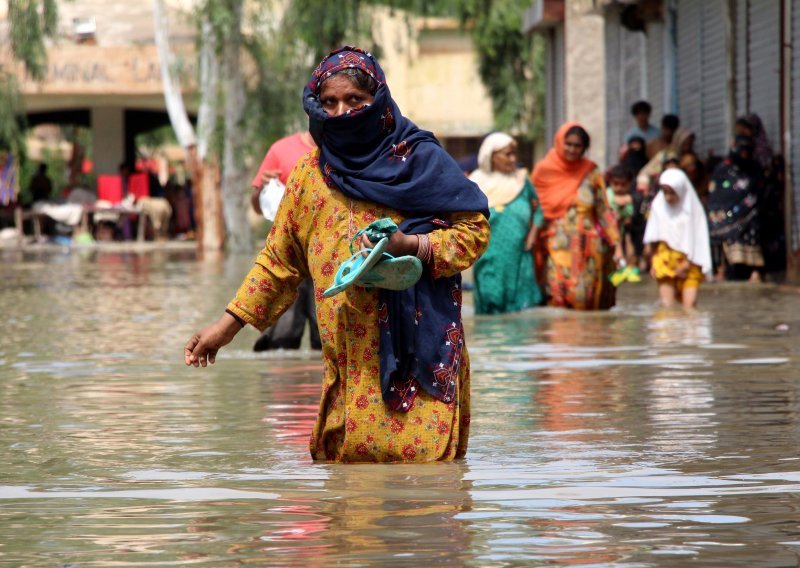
400	244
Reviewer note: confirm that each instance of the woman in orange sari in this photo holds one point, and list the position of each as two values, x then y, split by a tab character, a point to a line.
579	243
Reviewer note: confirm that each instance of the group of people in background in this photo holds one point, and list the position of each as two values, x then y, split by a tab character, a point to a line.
555	238
741	193
559	234
561	231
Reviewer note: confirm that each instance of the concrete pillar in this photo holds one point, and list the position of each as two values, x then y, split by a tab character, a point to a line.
108	138
584	79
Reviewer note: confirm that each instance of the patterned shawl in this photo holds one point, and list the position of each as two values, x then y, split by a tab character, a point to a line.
733	201
376	154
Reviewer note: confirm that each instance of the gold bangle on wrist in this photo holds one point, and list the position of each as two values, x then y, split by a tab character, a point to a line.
424	248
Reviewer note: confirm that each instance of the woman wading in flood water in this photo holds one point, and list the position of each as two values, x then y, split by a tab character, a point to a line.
396	370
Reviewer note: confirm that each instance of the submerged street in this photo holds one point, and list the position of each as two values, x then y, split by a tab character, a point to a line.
635	437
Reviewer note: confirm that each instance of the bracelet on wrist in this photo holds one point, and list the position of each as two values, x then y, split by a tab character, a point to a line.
239	320
424	248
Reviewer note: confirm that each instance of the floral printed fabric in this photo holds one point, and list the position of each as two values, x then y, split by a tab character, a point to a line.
666	262
579	250
310	237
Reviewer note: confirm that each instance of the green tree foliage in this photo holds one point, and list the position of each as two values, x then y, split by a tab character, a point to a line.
281	53
276	65
511	63
11	126
324	26
273	101
31	21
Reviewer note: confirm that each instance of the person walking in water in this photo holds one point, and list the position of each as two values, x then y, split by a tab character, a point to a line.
736	187
396	369
579	240
504	276
287	333
678	231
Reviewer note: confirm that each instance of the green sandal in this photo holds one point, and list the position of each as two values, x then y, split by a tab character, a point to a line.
392	273
351	269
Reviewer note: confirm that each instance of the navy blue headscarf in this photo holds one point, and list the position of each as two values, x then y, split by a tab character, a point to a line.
376	154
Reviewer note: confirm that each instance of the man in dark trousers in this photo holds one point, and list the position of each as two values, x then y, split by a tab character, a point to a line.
288	331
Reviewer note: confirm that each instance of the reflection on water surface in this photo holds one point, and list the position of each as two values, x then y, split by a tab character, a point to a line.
633	438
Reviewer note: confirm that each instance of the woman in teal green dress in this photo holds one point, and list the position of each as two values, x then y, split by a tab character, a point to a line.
504	275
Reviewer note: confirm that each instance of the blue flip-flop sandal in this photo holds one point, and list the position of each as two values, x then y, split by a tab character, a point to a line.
392	273
350	270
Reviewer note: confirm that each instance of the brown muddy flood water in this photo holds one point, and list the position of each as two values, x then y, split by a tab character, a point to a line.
629	438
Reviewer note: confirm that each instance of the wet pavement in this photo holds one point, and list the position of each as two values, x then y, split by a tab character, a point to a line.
630	438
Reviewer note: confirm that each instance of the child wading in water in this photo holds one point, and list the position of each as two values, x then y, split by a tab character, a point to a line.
626	202
678	231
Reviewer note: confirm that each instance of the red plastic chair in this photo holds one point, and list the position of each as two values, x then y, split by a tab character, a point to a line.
109	188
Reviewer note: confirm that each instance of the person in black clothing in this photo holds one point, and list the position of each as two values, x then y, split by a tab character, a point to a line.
41	187
771	217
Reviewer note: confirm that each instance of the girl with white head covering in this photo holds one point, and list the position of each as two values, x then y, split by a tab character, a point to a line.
504	275
678	230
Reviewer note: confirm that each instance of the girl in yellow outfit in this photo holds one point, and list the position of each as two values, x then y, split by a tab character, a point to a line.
396	370
678	230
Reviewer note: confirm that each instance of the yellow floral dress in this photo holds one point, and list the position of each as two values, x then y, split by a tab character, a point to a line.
666	263
310	237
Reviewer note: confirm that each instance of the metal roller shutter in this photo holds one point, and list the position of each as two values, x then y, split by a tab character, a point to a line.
615	114
559	77
794	162
689	100
712	132
740	32
764	65
655	68
626	79
633	67
554	93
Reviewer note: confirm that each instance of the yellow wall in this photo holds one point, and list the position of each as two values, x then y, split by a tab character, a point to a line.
432	72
